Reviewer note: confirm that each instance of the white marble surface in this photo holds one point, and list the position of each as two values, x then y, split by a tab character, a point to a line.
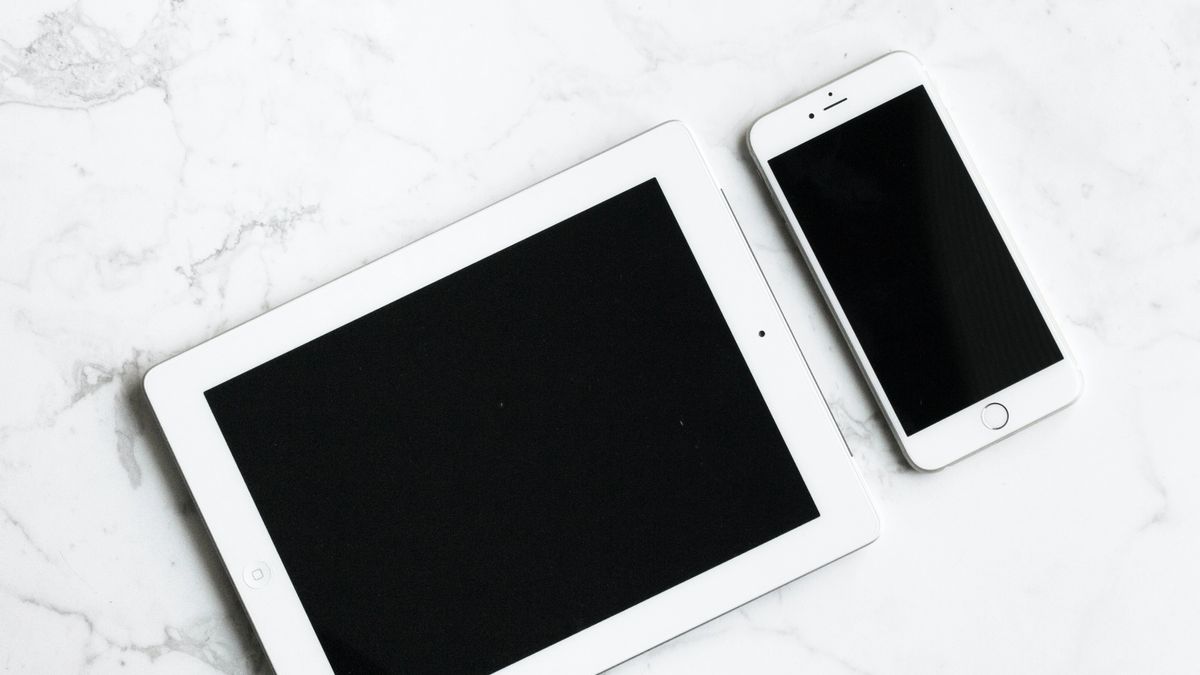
169	169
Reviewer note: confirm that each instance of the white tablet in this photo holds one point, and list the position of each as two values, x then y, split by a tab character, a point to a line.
542	440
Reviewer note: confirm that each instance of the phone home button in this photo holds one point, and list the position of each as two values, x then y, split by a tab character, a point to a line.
994	416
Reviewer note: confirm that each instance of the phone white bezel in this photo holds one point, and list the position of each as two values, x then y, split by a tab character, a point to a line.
847	521
962	433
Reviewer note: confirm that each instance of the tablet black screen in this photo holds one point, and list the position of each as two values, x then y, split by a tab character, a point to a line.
515	452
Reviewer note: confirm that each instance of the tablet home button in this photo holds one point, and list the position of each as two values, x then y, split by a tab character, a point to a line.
995	416
256	574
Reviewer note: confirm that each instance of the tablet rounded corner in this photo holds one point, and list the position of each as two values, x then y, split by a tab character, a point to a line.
152	380
871	524
676	130
874	528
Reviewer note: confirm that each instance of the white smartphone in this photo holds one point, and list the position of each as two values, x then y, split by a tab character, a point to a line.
910	253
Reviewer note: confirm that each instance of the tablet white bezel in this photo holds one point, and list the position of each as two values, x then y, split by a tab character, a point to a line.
964	432
847	521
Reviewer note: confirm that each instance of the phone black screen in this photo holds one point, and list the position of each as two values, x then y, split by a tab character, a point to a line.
515	452
915	260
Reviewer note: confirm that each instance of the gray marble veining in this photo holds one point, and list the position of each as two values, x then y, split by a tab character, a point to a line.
170	168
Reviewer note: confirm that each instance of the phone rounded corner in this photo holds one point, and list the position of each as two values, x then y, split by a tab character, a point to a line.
921	465
906	57
754	138
1078	383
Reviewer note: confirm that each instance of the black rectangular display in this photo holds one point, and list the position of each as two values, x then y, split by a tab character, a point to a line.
915	260
516	452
